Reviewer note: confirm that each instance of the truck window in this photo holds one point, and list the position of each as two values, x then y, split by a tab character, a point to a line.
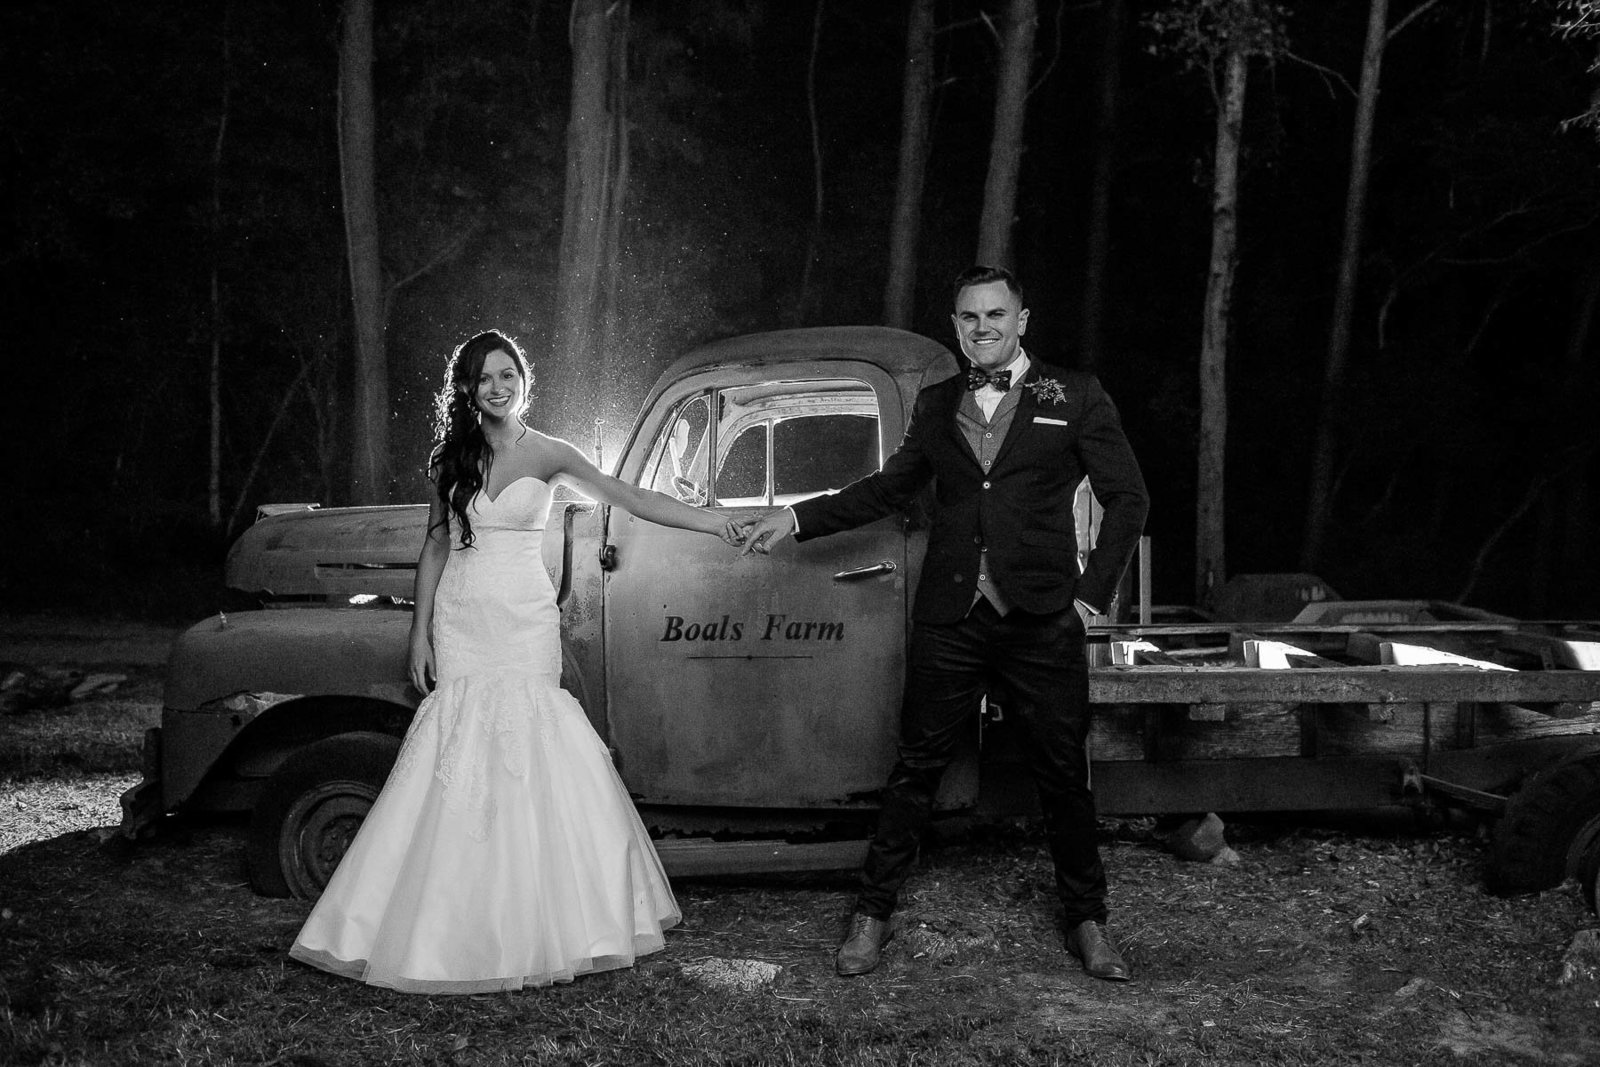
776	442
743	474
680	469
820	453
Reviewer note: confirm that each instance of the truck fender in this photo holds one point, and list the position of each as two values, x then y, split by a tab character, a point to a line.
262	743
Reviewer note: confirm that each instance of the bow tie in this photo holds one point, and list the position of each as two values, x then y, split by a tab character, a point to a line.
977	379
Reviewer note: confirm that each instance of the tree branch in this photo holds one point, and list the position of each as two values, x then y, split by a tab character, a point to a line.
446	253
1403	23
1327	72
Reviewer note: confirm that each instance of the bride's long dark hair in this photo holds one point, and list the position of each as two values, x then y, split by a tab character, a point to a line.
461	456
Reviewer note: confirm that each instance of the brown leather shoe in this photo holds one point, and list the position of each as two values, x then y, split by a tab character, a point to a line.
1088	941
859	951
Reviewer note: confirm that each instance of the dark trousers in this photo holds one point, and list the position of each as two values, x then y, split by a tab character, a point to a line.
1040	659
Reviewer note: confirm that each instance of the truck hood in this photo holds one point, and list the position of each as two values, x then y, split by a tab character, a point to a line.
360	652
319	552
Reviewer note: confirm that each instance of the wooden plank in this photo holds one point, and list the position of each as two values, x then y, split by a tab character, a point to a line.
1484	651
1577	654
1264	653
1308	715
1289	630
1119	732
1371	729
1411	654
1506	720
1176	731
1182	655
1128	652
1466	725
1337	685
1196	732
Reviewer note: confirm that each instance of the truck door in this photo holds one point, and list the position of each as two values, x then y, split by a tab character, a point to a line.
761	681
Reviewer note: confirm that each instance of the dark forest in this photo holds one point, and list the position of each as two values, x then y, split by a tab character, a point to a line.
174	245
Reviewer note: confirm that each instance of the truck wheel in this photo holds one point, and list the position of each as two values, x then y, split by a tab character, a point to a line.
310	811
1550	827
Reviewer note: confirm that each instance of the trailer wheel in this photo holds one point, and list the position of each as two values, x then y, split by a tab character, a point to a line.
1550	828
311	809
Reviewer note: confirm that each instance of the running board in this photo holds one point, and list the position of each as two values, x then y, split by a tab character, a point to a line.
696	857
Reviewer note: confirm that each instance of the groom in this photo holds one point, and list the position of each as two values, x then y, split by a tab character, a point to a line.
1006	445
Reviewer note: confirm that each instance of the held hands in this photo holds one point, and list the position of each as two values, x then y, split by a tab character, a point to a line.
732	533
767	531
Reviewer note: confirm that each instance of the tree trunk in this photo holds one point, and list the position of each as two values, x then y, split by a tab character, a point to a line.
1005	150
1319	490
915	113
612	356
369	452
214	392
587	215
798	313
1097	241
1210	544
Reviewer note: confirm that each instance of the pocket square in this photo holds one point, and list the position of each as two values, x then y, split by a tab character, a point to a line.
1050	422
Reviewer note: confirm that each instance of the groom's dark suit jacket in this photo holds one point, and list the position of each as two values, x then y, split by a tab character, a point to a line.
1021	509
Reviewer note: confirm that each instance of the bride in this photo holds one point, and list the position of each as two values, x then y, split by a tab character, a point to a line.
504	850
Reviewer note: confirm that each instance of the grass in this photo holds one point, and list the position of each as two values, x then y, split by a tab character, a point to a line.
100	735
1321	947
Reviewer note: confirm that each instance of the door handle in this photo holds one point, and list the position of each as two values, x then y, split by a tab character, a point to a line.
886	567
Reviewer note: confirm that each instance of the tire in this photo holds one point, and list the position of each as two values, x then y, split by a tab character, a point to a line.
1550	827
310	810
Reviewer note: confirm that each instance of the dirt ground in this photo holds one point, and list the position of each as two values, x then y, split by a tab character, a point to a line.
1368	944
1320	947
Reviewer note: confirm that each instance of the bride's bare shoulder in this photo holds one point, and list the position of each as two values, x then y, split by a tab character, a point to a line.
549	456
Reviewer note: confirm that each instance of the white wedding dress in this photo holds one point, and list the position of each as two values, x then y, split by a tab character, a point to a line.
504	850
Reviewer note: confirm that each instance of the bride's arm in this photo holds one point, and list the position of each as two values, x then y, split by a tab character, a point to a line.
572	467
430	565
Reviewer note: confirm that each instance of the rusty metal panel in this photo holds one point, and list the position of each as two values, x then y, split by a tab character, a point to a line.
755	681
322	651
341	551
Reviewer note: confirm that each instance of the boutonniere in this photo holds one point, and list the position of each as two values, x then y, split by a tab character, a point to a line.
1047	389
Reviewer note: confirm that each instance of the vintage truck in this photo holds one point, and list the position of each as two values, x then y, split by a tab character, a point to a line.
751	703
